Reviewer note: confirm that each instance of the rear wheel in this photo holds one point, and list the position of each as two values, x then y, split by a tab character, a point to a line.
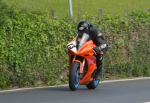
93	84
74	77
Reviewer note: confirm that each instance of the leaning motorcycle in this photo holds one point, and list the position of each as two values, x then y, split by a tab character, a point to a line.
82	63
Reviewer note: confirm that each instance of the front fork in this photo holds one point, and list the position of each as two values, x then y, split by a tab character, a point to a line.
81	61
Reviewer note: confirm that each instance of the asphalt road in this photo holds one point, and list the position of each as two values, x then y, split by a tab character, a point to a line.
118	92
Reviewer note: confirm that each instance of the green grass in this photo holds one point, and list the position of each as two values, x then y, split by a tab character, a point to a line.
91	6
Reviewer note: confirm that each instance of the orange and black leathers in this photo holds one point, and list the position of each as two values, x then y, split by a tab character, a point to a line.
98	40
97	37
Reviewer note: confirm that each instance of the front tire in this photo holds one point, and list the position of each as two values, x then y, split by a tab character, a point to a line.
74	77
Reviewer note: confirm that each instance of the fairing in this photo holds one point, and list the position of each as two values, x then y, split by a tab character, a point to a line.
83	47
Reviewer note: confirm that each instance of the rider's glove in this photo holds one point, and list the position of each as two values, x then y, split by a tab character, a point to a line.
98	49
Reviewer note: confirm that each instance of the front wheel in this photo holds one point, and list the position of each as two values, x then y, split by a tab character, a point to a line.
93	84
74	77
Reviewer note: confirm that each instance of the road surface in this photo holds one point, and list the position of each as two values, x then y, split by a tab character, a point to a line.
137	91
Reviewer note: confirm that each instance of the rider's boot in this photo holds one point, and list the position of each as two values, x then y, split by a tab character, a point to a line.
98	71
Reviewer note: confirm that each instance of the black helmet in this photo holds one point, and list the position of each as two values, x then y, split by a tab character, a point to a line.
82	27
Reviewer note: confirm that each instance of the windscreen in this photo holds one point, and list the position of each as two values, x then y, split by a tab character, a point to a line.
81	40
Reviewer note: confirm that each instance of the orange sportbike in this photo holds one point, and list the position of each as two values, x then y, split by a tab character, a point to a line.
82	63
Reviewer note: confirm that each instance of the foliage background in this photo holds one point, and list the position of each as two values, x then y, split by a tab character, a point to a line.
92	7
33	46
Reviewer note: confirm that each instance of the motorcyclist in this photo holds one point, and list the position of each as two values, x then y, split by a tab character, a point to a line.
98	39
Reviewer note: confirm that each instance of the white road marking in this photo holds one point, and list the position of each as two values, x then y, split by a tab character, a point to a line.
123	80
32	88
65	85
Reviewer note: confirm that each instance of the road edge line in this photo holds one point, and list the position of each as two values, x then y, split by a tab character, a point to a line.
123	80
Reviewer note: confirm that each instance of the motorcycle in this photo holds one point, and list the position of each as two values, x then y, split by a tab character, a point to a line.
82	63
